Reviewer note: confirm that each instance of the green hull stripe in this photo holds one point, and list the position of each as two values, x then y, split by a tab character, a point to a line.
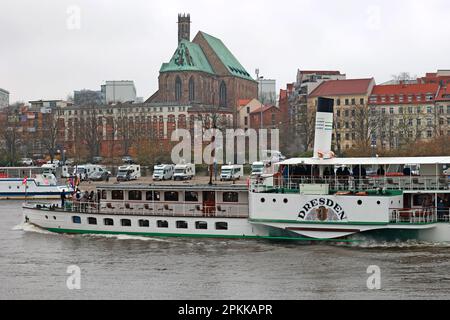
145	234
319	222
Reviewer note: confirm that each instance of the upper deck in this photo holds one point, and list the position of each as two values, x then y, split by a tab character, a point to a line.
365	174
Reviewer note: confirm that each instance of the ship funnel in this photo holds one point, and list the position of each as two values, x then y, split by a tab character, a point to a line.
324	129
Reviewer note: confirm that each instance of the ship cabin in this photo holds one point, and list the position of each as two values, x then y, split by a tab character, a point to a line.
227	201
423	181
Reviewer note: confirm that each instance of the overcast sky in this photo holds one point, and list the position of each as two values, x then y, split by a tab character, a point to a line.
47	50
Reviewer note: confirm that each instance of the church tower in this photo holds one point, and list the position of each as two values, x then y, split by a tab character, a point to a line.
184	27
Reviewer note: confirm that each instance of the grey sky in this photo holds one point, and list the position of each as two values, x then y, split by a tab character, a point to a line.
41	57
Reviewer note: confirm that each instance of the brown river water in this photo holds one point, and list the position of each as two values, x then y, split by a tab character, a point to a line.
33	265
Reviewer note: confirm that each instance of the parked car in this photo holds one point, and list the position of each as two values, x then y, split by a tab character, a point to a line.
128	159
96	160
55	161
69	162
100	176
40	162
26	161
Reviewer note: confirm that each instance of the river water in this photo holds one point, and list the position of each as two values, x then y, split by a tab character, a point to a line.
33	265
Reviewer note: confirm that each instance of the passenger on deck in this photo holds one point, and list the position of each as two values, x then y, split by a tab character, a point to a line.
380	171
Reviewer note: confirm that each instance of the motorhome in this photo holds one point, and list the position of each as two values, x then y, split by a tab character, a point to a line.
87	170
129	172
185	171
273	156
257	169
231	172
163	172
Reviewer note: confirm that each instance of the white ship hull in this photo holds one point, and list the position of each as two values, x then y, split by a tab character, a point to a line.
62	222
16	189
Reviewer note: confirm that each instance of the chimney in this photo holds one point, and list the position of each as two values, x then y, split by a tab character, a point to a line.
184	27
324	128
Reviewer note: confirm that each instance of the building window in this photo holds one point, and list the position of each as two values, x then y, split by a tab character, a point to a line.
191	89
429	134
202	225
108	222
178	89
223	94
144	223
170	196
221	226
162	224
125	222
104	194
135	195
361	101
182	225
92	220
76	219
346	102
338	102
191	196
230	197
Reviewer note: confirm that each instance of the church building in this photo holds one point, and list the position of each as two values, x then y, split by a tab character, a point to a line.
203	72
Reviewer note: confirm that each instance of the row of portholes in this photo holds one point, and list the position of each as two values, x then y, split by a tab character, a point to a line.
54	218
263	200
18	187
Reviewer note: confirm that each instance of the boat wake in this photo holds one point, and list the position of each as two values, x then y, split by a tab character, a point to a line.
400	244
28	227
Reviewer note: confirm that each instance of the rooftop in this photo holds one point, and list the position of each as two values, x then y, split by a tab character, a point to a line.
342	87
427	88
187	57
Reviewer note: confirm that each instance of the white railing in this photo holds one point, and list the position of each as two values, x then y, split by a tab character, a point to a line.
345	183
149	209
419	216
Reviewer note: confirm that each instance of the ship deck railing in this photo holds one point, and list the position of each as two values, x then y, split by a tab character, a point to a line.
350	183
428	215
128	209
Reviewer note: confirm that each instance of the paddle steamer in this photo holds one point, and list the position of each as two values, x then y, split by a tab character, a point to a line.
319	198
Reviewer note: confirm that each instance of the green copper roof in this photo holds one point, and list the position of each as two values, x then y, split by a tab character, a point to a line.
227	58
188	57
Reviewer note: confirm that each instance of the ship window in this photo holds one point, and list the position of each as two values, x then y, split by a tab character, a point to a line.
378	202
230	197
274	200
75	219
171	196
182	225
152	196
92	220
202	225
285	200
263	200
162	224
134	195
117	194
125	222
144	223
359	202
221	226
104	194
108	222
191	196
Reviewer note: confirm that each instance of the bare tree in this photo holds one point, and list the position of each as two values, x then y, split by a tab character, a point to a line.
93	131
10	133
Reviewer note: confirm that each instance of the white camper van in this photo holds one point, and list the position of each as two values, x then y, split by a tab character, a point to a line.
163	172
87	170
257	169
185	171
129	172
231	172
